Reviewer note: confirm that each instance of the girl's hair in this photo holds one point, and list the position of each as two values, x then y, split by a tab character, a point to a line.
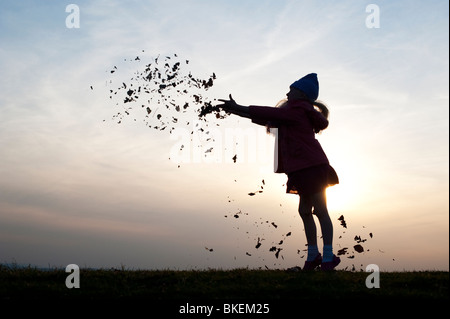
322	108
318	104
281	103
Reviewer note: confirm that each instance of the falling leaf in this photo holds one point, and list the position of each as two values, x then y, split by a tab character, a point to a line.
278	252
359	240
258	243
358	248
343	223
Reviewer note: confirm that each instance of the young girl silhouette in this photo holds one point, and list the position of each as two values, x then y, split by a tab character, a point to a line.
301	157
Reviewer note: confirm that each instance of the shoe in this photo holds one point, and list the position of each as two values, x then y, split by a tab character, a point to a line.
311	265
330	265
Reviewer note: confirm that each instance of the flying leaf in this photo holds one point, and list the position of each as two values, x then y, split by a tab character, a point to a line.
358	248
343	223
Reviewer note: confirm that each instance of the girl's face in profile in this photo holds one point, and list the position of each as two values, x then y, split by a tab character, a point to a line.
295	94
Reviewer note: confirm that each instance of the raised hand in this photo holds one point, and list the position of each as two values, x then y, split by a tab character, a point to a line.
228	105
231	106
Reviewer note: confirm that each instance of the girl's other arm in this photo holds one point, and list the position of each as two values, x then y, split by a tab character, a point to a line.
318	120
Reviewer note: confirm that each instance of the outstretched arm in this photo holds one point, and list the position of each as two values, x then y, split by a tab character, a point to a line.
234	108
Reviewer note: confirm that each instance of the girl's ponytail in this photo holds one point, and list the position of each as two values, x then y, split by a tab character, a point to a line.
322	108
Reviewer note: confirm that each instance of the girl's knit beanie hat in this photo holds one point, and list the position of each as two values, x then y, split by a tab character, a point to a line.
308	85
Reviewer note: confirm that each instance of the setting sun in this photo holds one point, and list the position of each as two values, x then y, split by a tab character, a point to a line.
342	196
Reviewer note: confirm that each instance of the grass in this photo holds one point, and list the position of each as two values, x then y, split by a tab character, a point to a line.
238	284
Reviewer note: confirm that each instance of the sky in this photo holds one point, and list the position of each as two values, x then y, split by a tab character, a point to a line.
76	187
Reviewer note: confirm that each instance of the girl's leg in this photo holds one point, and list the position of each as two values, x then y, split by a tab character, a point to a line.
319	202
305	211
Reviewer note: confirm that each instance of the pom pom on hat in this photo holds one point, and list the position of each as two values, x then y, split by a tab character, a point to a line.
308	85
